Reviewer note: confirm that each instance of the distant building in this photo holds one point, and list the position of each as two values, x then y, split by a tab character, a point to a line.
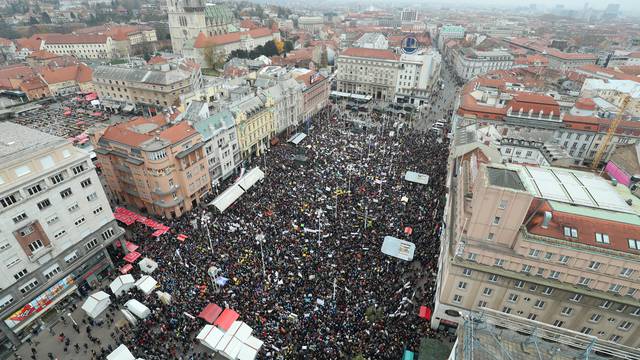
562	61
311	24
417	75
79	46
56	225
255	124
409	15
372	41
449	32
469	63
611	12
368	72
188	18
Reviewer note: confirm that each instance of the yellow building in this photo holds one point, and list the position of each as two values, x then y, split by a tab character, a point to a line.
255	124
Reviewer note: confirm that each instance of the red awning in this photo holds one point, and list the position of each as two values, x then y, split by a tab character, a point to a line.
425	313
125	268
210	313
67	113
91	96
130	246
132	256
127	220
408	230
182	237
158	233
227	318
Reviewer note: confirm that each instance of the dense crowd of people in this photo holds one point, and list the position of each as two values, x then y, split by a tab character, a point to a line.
317	285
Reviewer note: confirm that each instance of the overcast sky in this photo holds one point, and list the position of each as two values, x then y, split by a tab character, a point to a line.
628	5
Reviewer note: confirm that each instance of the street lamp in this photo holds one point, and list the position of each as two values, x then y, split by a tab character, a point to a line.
260	238
72	319
205	220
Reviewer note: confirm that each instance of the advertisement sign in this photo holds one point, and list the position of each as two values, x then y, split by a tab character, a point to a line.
409	45
40	303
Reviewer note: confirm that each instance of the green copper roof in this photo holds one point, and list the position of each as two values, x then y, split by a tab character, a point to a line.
220	13
627	218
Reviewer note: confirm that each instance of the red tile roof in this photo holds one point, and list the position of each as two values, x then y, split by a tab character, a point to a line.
72	39
248	24
370	53
33	83
43	55
534	102
79	73
31	44
570	56
203	41
5	42
585	104
124	133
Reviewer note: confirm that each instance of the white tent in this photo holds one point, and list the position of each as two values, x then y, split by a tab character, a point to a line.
228	197
400	249
121	353
254	342
250	178
232	349
224	341
244	332
147	265
247	353
416	177
164	297
122	284
137	308
210	336
146	284
129	316
96	304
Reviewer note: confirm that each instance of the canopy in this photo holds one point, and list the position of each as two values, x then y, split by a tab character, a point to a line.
210	336
122	284
250	178
408	355
425	313
121	353
148	266
225	320
91	96
297	138
159	232
130	246
96	304
228	197
254	342
232	349
137	308
244	332
164	297
146	284
129	316
247	353
125	268
416	177
182	237
398	248
210	313
132	256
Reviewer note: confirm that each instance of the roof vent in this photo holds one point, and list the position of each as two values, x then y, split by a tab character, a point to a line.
547	219
157	136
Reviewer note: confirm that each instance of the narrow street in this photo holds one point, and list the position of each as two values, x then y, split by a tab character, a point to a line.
442	102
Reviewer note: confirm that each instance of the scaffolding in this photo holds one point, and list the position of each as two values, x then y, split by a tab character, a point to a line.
493	335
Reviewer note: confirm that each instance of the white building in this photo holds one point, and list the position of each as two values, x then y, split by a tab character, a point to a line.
409	15
368	72
372	41
417	74
449	32
79	46
288	103
56	222
469	63
311	23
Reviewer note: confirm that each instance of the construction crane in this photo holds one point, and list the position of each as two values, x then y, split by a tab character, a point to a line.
610	132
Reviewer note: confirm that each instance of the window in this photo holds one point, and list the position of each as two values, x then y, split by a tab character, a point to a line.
554	275
10	200
586	330
636	312
631	291
519	284
29	286
78	169
457	298
36	245
47	162
576	297
526	268
71	257
97	210
615	288
634	244
74	208
80	221
51	272
539	304
605	304
499	262
59	177
482	304
7	300
595	318
465	272
53	220
566	311
503	204
490	236
20	274
91	244
532	316
563	259
570	232
494	278
487	291
66	193
86	182
547	290
626	272
32	190
462	285
22	170
109	233
540	271
584	281
602	238
558	323
548	256
92	197
43	204
16	219
496	220
472	256
5	246
594	265
513	298
534	252
27	230
615	338
60	234
621	308
506	310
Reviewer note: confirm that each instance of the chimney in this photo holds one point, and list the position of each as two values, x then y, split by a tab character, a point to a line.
547	219
157	136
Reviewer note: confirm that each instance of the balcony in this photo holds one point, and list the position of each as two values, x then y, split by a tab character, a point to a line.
159	191
40	253
167	204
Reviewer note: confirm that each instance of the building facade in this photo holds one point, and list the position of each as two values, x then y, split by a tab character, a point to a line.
369	72
372	41
311	24
255	124
553	245
288	102
188	18
80	46
150	88
417	76
56	223
447	32
153	164
315	93
469	63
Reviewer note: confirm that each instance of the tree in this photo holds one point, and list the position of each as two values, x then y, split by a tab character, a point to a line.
288	46
45	18
270	49
33	21
213	57
72	14
279	46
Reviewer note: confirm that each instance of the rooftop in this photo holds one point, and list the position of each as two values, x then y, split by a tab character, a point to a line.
17	141
370	53
506	178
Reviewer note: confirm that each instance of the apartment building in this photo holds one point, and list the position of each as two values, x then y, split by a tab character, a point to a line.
417	75
468	63
288	102
562	61
315	91
79	46
368	72
255	124
56	224
149	88
447	32
553	245
311	23
153	164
